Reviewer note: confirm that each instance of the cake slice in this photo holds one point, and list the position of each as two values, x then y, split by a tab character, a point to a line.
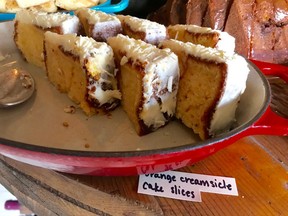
84	69
148	80
99	25
29	29
210	87
202	35
143	29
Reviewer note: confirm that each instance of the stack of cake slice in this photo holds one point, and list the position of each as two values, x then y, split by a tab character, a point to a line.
200	82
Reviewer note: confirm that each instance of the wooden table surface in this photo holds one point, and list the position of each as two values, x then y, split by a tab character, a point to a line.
258	163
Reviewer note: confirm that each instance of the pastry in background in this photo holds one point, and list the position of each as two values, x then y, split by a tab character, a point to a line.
98	25
9	6
148	79
84	69
30	26
210	87
47	7
143	29
30	3
75	4
12	6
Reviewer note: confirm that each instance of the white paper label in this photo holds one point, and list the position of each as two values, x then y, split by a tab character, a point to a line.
185	186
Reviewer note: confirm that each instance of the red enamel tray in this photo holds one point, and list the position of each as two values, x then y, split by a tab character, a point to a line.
33	132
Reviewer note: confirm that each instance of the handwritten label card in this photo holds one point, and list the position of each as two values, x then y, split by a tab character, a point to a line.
185	186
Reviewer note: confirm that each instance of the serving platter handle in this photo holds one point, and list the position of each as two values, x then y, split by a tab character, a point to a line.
270	69
271	123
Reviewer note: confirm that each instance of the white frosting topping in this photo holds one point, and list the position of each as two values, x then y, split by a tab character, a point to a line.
104	96
154	32
94	16
226	41
68	23
161	69
235	83
99	53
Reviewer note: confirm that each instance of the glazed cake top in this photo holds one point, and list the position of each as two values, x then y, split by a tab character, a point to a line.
138	24
138	50
154	32
81	46
226	41
94	16
198	51
47	20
